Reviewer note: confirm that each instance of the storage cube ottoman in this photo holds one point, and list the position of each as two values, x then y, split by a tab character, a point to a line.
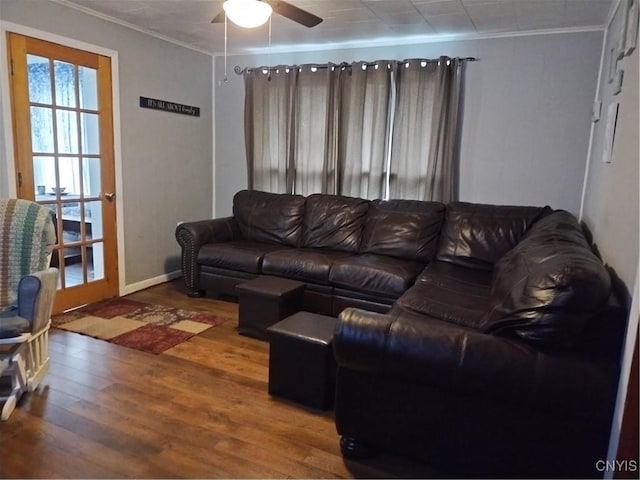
264	301
301	364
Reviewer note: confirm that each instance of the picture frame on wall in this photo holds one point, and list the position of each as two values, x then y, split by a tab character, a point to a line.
610	132
617	81
613	62
631	30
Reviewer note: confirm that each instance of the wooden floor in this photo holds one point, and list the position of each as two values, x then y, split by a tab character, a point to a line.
200	409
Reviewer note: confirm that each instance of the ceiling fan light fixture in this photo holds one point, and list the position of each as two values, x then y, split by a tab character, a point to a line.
247	13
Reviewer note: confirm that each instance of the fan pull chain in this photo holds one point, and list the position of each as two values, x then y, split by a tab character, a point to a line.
269	52
226	79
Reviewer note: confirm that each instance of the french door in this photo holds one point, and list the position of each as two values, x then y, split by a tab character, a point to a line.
63	139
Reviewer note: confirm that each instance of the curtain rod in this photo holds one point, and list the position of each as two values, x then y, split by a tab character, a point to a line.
240	71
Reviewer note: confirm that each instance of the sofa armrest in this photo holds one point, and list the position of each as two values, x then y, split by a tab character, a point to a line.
193	235
449	357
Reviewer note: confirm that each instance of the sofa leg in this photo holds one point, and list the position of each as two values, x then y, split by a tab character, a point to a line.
195	293
352	447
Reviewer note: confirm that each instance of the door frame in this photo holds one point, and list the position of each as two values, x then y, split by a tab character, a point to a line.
5	94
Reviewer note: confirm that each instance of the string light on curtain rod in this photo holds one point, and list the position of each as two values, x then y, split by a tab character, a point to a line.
347	66
247	13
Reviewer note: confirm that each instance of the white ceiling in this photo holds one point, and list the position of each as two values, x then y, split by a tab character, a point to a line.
349	22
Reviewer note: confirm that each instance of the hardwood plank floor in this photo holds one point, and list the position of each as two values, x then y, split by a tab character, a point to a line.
201	409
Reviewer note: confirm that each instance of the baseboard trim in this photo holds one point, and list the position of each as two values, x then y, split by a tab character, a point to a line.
150	282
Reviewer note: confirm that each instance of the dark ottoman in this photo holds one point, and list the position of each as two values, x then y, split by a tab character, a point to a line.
264	301
301	364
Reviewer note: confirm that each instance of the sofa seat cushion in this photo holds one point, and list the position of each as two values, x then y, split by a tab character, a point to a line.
369	297
458	278
406	229
477	236
375	274
304	264
334	222
449	293
548	288
241	255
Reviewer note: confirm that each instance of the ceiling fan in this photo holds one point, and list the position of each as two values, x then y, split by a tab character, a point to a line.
280	7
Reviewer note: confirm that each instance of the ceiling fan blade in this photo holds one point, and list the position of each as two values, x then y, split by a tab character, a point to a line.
218	18
286	10
294	13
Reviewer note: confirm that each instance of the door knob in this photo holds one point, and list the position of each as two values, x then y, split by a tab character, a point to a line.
109	196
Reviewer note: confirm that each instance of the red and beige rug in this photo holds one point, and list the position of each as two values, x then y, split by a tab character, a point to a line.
143	326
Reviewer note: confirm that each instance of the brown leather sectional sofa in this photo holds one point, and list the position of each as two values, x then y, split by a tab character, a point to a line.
484	340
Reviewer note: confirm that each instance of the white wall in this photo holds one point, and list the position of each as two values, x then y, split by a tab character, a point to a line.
611	204
527	111
166	158
611	193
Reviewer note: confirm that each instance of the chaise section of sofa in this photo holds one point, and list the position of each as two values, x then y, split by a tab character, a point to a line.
489	365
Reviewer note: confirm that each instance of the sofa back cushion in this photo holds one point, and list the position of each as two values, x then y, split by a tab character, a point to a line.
269	217
334	221
477	235
405	229
549	286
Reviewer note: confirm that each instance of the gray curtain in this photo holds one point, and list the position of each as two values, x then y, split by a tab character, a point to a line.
316	109
269	118
425	130
342	128
372	130
364	128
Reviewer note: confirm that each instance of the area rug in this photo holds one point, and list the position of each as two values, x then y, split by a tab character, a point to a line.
143	326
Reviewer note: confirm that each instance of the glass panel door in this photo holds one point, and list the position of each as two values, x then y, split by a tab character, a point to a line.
62	181
65	159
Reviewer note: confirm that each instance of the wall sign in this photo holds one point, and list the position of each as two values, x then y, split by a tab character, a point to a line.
173	107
